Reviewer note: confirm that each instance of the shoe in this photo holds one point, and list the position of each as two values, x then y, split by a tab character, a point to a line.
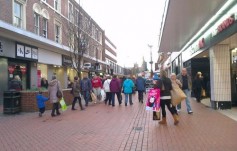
190	112
40	114
53	115
141	101
82	109
86	105
58	113
74	109
176	119
131	103
113	105
163	121
125	104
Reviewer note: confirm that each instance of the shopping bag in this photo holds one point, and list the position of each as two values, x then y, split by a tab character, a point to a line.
63	104
93	97
203	93
102	93
156	115
153	100
177	95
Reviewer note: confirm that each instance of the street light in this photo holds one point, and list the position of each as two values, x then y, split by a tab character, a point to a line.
151	62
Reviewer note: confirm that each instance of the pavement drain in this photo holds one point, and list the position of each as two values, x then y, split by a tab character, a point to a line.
137	128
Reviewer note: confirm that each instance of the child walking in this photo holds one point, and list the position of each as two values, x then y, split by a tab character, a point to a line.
40	102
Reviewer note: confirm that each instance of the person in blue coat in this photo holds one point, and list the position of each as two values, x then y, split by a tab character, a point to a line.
141	85
128	89
40	102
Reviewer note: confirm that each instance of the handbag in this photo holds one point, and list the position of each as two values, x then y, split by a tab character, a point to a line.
156	115
59	93
177	95
63	104
93	97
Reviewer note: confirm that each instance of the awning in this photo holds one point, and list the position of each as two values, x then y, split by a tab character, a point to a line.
183	20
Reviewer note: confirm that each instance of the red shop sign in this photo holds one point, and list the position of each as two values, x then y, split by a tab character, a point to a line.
23	70
201	43
11	69
225	24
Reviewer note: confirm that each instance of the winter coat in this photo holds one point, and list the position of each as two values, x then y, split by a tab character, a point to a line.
76	89
85	84
141	84
189	80
106	85
96	82
115	85
53	87
40	100
128	86
167	87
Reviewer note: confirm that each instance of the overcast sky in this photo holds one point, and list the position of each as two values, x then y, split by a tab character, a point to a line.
130	24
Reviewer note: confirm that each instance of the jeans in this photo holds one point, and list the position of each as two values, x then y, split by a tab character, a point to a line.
75	100
188	94
86	96
118	97
128	97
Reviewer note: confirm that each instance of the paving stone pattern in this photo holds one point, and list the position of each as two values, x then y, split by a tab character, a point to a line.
105	128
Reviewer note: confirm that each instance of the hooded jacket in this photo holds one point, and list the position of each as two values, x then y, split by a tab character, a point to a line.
115	85
128	86
106	85
53	87
141	84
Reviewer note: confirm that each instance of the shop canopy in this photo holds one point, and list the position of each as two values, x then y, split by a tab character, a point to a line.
183	19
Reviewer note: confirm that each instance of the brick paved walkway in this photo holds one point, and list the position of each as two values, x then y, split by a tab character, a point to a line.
119	128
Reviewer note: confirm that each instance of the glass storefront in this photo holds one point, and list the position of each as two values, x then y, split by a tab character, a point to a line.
42	72
19	69
234	76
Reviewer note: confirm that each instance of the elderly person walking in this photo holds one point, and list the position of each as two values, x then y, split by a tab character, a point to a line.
186	81
141	86
76	93
54	86
106	87
115	88
128	86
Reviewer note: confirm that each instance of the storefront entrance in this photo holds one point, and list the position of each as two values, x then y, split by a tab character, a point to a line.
234	77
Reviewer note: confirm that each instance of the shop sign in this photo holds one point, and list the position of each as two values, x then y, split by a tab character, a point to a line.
66	61
25	51
224	25
1	48
194	48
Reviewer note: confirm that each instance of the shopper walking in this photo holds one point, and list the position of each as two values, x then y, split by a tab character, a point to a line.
197	87
115	88
106	87
97	85
185	79
86	88
44	83
53	88
76	93
176	84
128	86
141	85
165	99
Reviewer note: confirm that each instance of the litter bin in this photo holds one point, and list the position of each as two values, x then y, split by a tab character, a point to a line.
11	102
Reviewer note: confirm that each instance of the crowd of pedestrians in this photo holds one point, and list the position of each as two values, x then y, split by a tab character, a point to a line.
114	87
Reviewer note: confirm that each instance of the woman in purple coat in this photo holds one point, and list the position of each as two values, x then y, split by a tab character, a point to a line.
115	88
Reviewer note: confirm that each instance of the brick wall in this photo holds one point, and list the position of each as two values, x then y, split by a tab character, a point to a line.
29	104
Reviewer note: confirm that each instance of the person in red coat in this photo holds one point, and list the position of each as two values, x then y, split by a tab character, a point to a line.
97	85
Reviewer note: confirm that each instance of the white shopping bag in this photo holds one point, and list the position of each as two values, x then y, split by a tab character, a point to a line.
102	92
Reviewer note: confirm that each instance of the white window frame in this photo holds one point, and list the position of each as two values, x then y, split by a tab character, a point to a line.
100	37
22	3
45	27
36	23
57	5
58	38
70	12
93	31
77	17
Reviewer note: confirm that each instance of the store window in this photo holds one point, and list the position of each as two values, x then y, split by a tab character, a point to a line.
42	72
18	69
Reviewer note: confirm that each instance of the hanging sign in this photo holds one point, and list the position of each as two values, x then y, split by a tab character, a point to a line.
26	51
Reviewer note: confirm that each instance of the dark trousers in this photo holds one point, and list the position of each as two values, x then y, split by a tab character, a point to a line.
140	95
75	100
198	94
41	110
55	108
118	97
108	97
128	97
169	106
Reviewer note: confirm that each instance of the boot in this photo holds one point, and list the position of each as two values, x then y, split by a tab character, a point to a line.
163	121
73	105
176	119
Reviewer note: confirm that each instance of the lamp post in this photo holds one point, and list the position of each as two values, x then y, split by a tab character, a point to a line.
151	62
